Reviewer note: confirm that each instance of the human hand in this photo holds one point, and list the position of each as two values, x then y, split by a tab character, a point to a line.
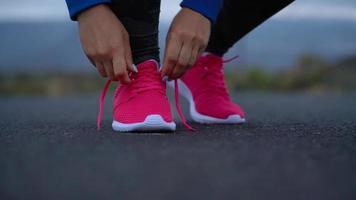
187	38
105	41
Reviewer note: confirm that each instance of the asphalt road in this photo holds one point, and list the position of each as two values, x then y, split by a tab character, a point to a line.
294	146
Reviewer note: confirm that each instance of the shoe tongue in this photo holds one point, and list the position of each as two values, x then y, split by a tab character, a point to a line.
149	65
213	58
212	61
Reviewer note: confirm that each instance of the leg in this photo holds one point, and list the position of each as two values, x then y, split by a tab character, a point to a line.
140	18
236	19
203	85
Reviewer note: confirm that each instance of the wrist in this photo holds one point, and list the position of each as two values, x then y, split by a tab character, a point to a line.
95	10
192	12
208	8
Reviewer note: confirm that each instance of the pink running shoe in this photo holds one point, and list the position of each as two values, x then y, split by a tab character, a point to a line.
204	87
141	105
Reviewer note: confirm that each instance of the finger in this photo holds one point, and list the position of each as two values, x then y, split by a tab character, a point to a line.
193	56
100	67
183	60
109	70
120	69
171	56
91	61
201	51
128	57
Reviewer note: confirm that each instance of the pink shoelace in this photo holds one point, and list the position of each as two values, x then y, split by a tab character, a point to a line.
101	104
176	96
178	107
230	59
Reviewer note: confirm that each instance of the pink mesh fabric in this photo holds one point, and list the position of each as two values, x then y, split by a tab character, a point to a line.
206	82
145	95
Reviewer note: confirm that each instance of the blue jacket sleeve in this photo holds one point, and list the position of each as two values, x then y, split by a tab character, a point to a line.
209	8
76	6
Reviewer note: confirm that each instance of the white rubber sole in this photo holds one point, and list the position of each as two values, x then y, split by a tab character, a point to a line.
151	123
200	118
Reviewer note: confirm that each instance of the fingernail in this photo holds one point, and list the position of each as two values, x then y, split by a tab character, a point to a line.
134	68
165	78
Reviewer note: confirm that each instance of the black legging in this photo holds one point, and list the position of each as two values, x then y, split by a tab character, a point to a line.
235	20
140	18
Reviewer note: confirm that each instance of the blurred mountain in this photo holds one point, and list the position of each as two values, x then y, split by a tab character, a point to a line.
55	46
40	46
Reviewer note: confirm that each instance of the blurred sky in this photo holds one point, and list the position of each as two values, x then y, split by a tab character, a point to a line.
55	10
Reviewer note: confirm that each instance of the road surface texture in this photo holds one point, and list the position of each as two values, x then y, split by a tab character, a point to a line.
294	146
